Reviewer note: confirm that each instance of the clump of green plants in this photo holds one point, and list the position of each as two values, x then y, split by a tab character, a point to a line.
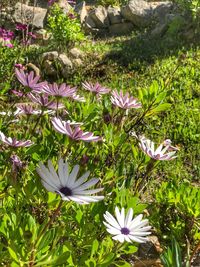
64	28
181	204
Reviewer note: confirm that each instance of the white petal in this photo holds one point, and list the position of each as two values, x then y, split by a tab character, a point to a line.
61	172
138	234
88	184
86	192
138	239
73	176
111	220
82	179
127	238
49	187
47	176
120	217
113	231
52	170
120	238
128	218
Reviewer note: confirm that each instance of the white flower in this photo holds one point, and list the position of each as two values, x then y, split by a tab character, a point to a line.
166	153
67	185
125	228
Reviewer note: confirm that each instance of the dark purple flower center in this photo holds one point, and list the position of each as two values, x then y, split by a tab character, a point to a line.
66	191
125	231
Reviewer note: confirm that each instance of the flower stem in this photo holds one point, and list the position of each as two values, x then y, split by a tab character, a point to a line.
38	120
33	250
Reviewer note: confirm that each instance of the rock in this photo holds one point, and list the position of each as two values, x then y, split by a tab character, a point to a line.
81	10
77	62
52	55
139	12
65	61
114	15
121	28
161	9
159	30
99	16
64	5
49	68
35	16
76	53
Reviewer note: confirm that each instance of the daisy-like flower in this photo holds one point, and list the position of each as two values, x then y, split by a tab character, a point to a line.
124	101
29	110
76	133
95	88
67	184
77	97
43	101
125	228
14	142
59	90
164	152
28	79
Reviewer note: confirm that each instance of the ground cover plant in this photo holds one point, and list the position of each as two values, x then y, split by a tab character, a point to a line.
94	165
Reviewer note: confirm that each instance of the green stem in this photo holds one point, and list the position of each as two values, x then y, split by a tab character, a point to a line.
33	250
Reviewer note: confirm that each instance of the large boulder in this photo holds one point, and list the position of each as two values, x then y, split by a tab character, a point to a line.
114	15
99	16
141	13
36	16
81	10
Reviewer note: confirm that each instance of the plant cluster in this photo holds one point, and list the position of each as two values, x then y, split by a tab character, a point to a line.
65	28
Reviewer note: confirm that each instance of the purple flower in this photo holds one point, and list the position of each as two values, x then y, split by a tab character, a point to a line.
160	153
29	80
32	35
59	90
21	27
27	109
19	66
124	101
76	133
77	97
16	163
95	88
14	142
43	101
17	93
51	2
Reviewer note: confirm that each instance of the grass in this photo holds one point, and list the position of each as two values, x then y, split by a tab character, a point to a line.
145	68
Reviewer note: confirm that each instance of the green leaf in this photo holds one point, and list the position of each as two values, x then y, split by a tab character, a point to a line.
158	109
13	254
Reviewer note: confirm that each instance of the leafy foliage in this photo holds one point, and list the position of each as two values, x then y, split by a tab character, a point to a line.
65	28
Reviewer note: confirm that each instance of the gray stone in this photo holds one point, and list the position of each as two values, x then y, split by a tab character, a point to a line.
99	16
161	9
139	12
114	15
52	55
64	5
159	30
77	62
49	68
121	28
81	10
35	16
65	61
76	53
